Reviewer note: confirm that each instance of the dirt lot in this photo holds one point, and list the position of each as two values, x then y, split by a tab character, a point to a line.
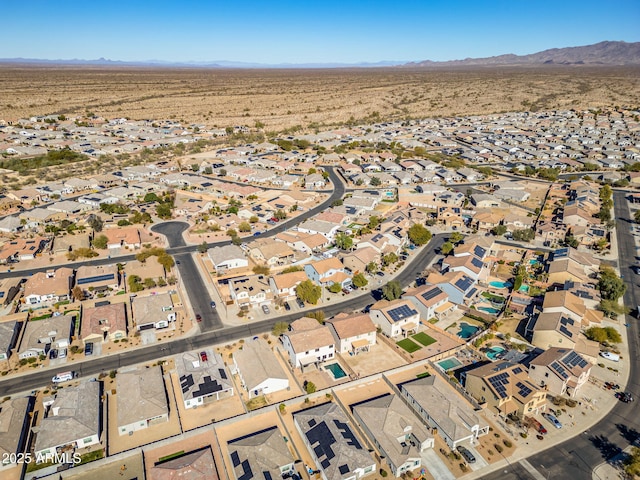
283	98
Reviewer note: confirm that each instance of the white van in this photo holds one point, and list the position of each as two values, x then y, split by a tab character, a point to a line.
614	357
63	377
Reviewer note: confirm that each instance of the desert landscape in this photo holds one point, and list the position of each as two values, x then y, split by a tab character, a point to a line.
308	99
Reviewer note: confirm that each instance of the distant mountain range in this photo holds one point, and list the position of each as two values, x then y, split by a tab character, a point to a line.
603	53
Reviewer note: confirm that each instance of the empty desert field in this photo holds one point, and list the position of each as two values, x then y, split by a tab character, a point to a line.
284	98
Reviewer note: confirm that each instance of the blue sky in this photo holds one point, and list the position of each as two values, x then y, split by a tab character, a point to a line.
306	31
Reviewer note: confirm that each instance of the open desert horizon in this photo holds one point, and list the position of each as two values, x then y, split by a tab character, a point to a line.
312	98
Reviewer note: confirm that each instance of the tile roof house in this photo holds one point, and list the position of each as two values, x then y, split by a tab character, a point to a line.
95	279
74	419
272	253
284	285
9	332
442	408
250	290
104	323
122	237
394	429
356	262
569	304
430	300
556	329
45	288
153	311
196	465
262	454
352	333
395	318
41	335
333	443
470	265
227	258
506	388
326	272
560	371
203	378
308	343
460	287
141	399
258	368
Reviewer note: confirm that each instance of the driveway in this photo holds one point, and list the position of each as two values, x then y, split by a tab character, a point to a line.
434	464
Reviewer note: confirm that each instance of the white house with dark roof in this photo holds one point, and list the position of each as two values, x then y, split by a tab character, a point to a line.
394	429
203	378
395	318
333	444
227	257
430	300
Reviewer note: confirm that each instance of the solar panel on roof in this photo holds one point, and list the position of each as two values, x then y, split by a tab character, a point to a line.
559	370
344	469
267	475
464	283
524	390
479	251
573	359
401	312
431	293
475	261
566	331
235	459
517	370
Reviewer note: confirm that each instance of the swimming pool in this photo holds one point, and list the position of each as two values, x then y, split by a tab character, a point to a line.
494	352
533	261
524	288
335	370
466	330
491	310
499	284
449	363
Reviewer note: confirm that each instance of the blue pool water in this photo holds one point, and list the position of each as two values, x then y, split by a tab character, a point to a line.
336	371
449	364
524	288
466	330
533	261
490	310
494	352
498	284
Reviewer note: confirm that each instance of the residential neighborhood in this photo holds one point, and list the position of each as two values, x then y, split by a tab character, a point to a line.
416	298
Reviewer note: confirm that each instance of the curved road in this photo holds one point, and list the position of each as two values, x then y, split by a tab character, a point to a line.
577	457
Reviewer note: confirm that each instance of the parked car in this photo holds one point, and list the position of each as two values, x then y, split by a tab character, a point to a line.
467	455
346	291
380	274
62	353
64	377
300	303
198	317
625	397
610	356
257	233
611	386
287	307
213	304
203	356
88	349
53	353
553	420
266	310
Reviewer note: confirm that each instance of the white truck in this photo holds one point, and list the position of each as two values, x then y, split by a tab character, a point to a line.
63	377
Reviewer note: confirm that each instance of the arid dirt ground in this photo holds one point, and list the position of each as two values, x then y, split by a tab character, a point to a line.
284	98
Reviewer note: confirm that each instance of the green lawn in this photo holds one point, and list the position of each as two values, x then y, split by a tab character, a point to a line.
424	339
408	345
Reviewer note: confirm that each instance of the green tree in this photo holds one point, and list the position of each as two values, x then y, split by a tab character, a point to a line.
279	328
334	288
611	308
292	268
96	223
456	237
236	240
280	214
524	235
261	269
371	267
253	219
163	210
418	234
151	197
149	283
318	315
343	241
100	242
359	280
632	463
203	247
636	216
389	259
447	248
610	285
392	290
374	222
337	202
166	261
308	292
244	227
232	232
309	387
375	182
134	284
499	230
